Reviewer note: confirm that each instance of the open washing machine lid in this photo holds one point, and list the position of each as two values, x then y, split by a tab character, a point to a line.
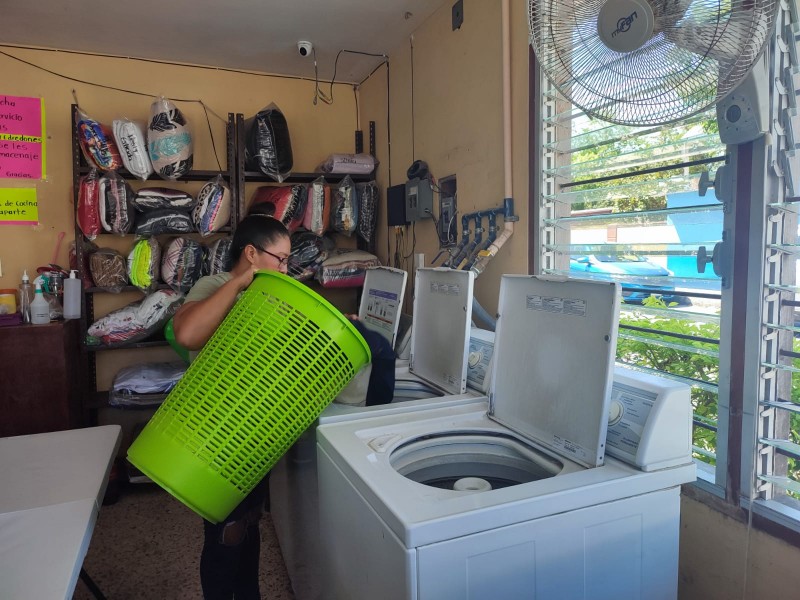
382	301
553	362
441	331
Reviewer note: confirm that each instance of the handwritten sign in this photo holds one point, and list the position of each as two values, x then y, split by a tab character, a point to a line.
18	206
22	151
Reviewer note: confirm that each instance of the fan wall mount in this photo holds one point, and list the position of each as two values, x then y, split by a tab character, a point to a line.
648	62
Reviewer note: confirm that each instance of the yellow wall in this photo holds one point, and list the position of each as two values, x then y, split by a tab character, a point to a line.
316	131
457	126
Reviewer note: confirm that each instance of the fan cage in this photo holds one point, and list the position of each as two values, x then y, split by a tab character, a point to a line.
699	52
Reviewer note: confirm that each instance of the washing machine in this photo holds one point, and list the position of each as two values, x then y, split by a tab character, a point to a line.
516	497
448	365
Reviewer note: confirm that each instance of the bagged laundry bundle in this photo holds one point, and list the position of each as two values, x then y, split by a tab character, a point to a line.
135	321
289	202
144	264
97	143
344	212
182	264
116	204
145	384
268	147
346	268
169	141
159	197
163	220
218	257
109	269
318	207
88	212
213	209
309	250
367	194
130	139
355	164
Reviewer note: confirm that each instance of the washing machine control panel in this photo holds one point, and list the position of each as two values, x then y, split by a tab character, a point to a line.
649	421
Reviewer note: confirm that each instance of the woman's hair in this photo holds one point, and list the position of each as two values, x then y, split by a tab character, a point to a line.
258	230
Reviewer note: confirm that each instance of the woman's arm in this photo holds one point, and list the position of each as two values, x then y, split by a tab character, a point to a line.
196	321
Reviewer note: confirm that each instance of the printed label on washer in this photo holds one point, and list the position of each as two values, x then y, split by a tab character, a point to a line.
554	304
626	434
448	289
480	354
570	448
382	307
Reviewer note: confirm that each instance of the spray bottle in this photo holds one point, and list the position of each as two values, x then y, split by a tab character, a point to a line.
40	308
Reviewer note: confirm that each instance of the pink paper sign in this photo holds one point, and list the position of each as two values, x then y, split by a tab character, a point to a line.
21	138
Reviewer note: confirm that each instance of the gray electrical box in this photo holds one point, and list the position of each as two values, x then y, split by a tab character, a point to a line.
419	199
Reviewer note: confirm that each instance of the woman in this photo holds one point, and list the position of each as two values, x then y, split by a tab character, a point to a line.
231	550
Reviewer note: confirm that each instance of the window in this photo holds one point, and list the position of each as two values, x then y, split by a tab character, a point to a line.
633	205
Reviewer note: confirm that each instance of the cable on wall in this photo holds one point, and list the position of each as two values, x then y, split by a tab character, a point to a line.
206	109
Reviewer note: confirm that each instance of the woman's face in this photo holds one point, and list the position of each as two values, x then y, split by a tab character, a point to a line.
273	257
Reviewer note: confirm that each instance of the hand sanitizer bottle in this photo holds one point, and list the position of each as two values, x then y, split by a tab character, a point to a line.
40	308
72	297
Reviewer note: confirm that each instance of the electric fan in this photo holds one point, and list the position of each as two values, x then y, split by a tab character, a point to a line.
648	62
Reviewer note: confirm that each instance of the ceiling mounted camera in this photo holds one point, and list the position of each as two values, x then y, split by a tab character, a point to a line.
305	48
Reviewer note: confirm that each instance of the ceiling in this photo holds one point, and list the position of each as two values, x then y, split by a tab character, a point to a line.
251	35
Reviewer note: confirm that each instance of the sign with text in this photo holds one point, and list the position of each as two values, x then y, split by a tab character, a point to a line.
22	149
19	206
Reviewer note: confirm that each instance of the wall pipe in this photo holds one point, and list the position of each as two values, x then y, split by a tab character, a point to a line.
508	216
465	232
475	243
492	215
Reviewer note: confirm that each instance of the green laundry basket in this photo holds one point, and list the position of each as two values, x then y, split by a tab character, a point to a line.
278	359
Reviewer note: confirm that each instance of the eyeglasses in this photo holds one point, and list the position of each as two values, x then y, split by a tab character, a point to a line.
282	260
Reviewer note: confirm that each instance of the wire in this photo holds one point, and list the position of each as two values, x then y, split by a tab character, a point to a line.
413	146
358	116
206	109
328	98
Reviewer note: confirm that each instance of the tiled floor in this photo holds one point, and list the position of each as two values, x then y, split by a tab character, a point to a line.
147	545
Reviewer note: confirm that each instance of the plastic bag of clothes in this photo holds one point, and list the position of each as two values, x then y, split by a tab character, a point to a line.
151	198
289	203
318	207
144	264
109	269
309	250
268	147
97	143
116	204
367	210
344	212
169	140
346	268
88	213
135	321
133	147
218	257
213	209
163	220
145	384
355	164
182	264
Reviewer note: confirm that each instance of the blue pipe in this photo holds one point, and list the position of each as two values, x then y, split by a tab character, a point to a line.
483	315
489	240
464	239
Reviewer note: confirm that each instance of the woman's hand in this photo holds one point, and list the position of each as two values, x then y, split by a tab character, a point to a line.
243	280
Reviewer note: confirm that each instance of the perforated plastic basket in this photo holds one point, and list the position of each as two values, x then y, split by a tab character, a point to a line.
276	361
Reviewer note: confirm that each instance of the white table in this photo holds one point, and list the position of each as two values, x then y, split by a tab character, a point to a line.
51	490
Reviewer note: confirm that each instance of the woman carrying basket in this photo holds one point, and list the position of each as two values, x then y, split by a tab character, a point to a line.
229	563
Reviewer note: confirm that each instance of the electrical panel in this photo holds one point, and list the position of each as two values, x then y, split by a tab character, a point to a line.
419	199
448	226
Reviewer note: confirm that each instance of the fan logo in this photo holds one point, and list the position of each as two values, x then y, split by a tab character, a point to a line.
624	24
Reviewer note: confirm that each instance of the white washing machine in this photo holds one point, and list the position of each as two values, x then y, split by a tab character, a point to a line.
446	356
515	498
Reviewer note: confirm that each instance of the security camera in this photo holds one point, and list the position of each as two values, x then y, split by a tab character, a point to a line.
304	48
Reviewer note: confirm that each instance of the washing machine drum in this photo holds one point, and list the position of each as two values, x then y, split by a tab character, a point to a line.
472	461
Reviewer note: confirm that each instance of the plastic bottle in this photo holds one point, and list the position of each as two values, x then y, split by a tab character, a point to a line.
72	296
25	297
40	308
